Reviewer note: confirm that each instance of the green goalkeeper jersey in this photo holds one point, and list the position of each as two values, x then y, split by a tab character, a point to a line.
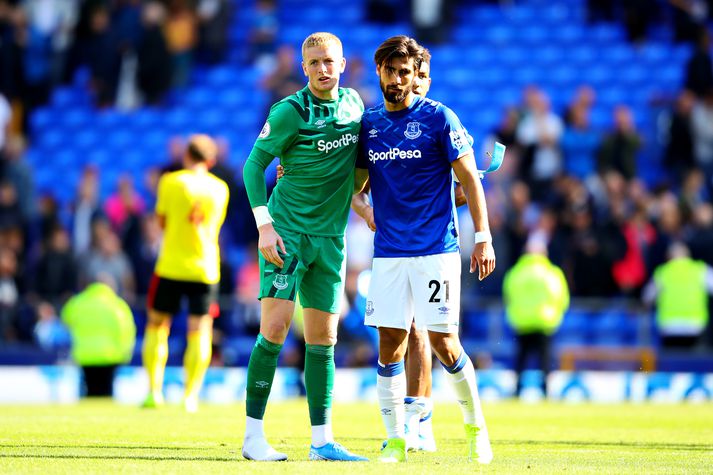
316	141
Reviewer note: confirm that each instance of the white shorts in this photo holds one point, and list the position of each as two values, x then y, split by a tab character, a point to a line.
425	288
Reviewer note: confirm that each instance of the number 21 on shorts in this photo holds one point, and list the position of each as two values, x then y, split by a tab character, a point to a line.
440	291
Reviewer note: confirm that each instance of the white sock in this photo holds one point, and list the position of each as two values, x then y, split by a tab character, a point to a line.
425	425
254	428
391	389
412	408
415	409
421	404
322	435
462	378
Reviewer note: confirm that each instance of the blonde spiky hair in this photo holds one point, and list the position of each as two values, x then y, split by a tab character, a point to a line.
321	38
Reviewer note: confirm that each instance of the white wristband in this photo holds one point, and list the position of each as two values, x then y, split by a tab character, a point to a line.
262	216
483	236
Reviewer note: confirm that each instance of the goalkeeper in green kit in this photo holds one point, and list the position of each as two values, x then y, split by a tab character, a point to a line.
315	133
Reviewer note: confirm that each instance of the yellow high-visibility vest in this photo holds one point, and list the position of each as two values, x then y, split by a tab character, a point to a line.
682	296
536	295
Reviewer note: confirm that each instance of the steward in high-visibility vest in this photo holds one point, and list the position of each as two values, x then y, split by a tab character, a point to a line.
536	297
103	335
680	288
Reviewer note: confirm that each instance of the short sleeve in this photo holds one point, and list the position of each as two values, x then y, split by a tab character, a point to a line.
161	194
279	131
455	139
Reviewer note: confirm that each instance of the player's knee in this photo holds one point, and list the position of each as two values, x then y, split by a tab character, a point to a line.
157	319
446	348
325	338
330	337
275	331
392	343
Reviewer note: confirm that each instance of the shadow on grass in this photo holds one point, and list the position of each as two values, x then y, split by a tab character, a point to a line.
99	446
590	443
693	447
121	457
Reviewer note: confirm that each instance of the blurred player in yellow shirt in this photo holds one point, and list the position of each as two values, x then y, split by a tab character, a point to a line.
191	208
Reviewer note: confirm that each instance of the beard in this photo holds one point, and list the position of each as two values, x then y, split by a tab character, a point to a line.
393	96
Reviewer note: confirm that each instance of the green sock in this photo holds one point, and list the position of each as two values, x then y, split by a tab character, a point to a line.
319	382
261	372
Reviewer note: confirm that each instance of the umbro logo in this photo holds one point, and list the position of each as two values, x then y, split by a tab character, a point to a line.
444	310
386	412
321	123
373	133
261	384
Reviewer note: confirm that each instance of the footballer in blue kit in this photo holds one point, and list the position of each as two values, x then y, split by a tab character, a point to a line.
408	154
409	146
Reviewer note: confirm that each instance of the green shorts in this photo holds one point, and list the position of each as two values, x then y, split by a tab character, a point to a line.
315	266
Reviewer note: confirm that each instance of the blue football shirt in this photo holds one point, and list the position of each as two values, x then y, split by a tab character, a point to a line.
408	154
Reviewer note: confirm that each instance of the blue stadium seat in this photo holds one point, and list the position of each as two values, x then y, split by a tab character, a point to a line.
76	118
565	75
534	35
66	159
634	75
514	56
618	55
488	15
499	34
104	158
53	139
109	120
606	34
484	56
466	34
607	327
120	140
567	35
527	75
70	97
670	76
144	119
600	117
201	97
155	142
613	96
599	76
522	15
40	120
504	96
88	139
486	118
655	54
177	120
583	55
547	56
562	95
223	76
555	14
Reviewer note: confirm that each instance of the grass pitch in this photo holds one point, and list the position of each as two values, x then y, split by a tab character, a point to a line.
102	437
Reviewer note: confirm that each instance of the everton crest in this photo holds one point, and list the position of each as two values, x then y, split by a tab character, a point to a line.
413	130
280	282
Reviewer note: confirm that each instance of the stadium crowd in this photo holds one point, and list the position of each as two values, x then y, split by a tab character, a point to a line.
606	228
